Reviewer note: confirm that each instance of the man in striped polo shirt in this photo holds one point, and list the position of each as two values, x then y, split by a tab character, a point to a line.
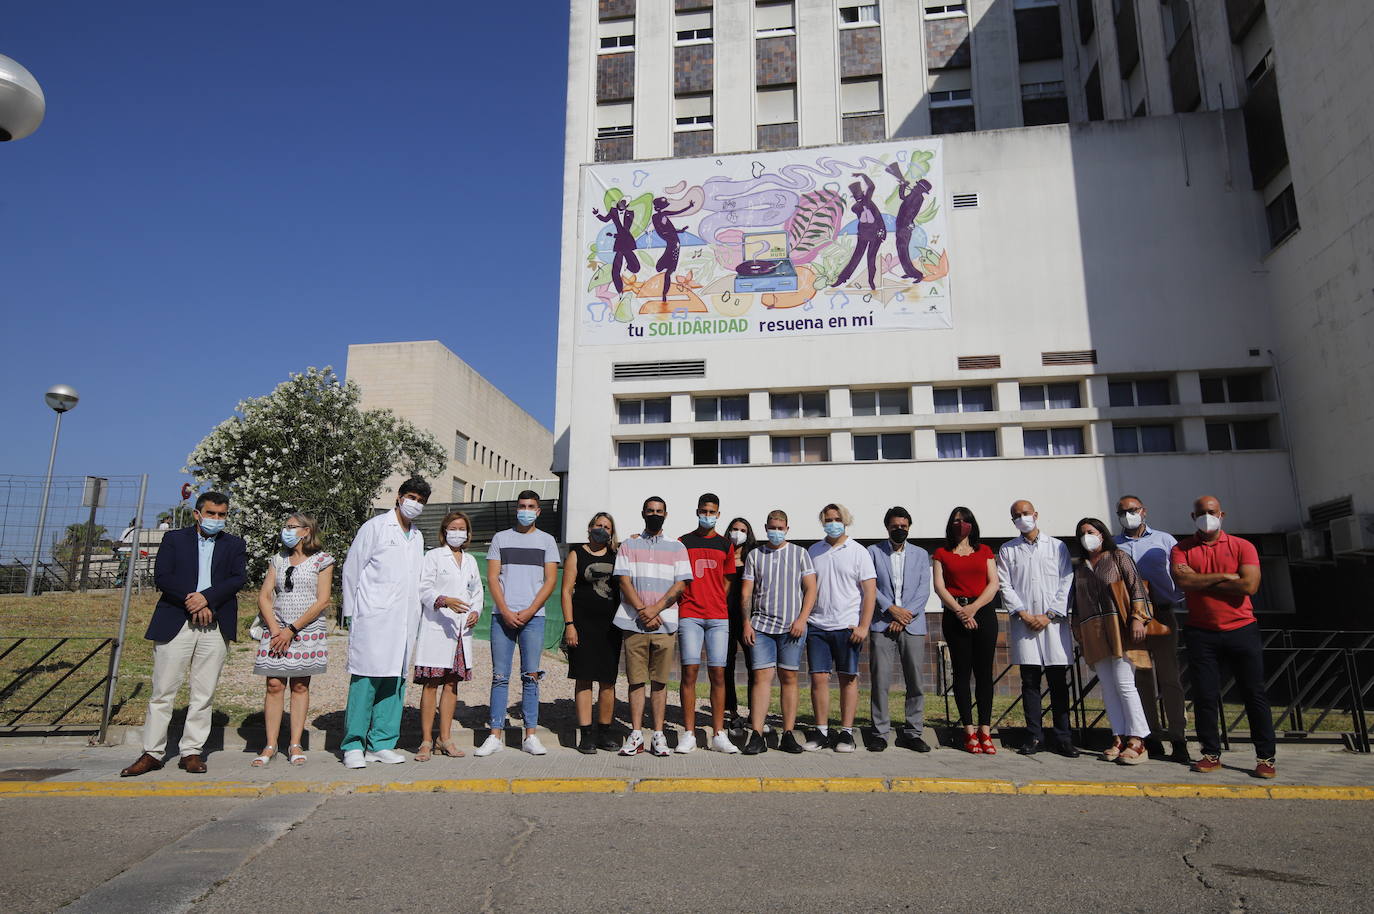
652	570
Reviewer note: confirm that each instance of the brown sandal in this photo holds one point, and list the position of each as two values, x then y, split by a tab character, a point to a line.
450	748
422	754
1134	754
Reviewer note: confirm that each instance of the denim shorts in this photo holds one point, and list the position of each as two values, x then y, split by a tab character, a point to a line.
781	651
692	632
831	651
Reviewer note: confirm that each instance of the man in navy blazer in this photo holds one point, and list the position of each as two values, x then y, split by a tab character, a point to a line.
199	572
898	632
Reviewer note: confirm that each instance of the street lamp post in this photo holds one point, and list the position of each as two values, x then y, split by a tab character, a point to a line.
60	398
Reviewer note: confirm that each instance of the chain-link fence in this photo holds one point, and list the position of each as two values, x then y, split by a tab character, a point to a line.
87	534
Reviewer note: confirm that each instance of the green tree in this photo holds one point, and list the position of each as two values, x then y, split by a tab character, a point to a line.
71	548
308	447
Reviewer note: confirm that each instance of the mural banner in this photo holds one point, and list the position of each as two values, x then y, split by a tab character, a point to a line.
839	239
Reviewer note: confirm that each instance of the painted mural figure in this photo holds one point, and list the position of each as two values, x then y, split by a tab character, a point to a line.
663	225
622	218
872	231
913	198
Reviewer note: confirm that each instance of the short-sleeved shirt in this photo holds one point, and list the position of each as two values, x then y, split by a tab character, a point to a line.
653	564
712	558
965	575
1217	612
777	575
522	557
839	572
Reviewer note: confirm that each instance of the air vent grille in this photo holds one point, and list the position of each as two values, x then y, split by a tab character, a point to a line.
977	362
965	201
1071	357
1328	511
638	371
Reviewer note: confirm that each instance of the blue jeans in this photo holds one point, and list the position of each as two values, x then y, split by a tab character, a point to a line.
781	651
503	641
830	651
692	632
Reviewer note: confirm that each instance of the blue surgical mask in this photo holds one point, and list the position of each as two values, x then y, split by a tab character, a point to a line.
776	537
833	529
211	525
289	537
525	517
706	523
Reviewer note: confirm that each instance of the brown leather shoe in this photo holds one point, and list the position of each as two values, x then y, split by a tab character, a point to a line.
193	764
142	765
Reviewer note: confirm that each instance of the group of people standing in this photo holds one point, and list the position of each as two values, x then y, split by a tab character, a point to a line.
713	596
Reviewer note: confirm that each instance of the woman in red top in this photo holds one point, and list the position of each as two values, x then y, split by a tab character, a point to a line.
964	572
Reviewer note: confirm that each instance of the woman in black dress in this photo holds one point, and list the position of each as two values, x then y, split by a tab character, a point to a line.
590	598
741	535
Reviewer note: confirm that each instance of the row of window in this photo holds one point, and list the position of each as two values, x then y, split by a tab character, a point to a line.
1240	435
464	447
771	19
896	401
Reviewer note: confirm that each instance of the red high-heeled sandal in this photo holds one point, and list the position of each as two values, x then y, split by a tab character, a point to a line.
972	745
985	742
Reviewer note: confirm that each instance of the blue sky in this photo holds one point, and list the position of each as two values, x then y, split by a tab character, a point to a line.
225	193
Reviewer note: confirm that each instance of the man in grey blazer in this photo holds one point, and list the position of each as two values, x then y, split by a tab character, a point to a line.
898	633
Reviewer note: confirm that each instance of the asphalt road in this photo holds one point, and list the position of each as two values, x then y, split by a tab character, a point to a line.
685	852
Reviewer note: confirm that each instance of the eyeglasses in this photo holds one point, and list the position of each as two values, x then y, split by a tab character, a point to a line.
290	570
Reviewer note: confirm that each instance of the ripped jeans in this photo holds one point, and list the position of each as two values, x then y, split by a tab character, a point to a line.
503	641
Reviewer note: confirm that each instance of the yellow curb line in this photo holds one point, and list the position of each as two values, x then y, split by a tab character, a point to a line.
1078	789
698	785
951	785
1316	792
569	785
1206	791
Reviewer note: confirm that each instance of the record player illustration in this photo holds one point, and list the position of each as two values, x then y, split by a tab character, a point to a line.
767	265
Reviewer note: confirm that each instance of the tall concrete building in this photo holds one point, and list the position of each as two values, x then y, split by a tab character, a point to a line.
1157	218
491	440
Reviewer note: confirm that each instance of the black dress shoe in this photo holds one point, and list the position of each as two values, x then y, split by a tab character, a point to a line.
1180	754
1155	748
874	743
1030	747
1068	750
914	743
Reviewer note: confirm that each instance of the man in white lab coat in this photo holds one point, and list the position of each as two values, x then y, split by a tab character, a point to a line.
1035	574
381	597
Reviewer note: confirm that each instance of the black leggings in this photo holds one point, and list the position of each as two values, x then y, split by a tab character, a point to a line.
971	653
737	646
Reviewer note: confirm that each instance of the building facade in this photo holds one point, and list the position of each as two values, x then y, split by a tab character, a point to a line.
490	439
1160	232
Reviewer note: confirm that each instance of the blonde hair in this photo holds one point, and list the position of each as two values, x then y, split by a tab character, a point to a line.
845	517
310	542
614	543
778	514
449	518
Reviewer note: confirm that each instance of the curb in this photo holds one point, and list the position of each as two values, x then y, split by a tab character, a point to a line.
22	789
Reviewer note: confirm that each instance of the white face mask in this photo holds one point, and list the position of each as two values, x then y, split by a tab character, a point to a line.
455	538
411	509
1091	541
1132	520
737	537
1207	523
1024	522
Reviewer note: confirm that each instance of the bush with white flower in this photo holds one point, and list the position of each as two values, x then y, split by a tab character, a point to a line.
308	447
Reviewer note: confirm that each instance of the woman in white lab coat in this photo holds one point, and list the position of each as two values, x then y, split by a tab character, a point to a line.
450	602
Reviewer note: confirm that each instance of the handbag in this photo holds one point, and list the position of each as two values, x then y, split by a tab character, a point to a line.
1121	595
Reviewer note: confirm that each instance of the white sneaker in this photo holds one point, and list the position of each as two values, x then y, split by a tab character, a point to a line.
533	746
721	743
385	756
658	744
354	758
634	743
491	744
687	743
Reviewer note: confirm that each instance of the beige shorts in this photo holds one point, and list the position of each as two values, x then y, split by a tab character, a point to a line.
648	657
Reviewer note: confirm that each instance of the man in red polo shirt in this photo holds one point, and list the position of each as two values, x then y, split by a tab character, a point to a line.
1218	574
704	621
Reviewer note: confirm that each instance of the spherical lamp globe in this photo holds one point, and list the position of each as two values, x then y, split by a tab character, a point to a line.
21	101
60	398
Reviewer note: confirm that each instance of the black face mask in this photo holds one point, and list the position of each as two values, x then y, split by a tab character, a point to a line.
599	535
653	523
897	536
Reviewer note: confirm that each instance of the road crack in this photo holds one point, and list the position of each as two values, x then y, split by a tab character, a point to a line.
517	845
1203	836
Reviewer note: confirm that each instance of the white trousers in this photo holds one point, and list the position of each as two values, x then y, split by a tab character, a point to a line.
202	650
1117	679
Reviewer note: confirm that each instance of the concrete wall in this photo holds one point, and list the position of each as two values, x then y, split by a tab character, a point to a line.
430	386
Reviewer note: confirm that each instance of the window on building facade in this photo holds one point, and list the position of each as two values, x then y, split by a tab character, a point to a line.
616	35
894	402
800	448
642	453
714	451
858	14
808	405
777	105
1232	388
963	399
460	447
1281	214
889	446
950	445
1247	435
693	27
945	10
459	491
693	112
772	19
1145	392
1041	442
1051	396
721	409
643	412
861	96
1143	439
614	119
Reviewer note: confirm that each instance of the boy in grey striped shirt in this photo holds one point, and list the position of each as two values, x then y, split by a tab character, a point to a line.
784	578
